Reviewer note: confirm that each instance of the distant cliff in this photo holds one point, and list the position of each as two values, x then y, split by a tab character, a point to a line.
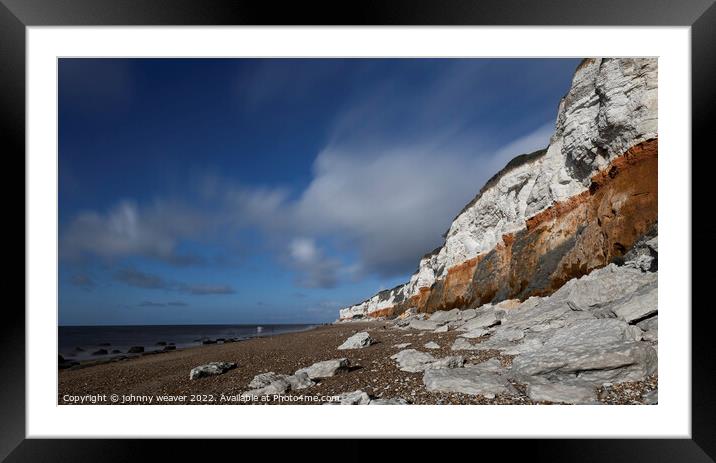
555	214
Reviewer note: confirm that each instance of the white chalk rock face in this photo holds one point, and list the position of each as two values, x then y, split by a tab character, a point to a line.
383	300
610	107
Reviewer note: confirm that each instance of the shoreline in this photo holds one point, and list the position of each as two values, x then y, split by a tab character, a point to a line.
162	347
146	379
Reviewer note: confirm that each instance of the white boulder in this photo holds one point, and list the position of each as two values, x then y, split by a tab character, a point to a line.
211	369
357	341
325	369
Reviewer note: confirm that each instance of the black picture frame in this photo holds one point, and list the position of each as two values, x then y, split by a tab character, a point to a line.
16	15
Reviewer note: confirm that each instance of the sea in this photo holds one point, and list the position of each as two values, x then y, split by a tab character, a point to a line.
83	342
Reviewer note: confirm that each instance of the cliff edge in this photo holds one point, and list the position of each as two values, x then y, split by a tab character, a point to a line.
552	215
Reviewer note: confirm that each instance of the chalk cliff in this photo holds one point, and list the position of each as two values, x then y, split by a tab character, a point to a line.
552	215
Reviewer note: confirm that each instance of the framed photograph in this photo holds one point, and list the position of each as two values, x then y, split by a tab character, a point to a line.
236	215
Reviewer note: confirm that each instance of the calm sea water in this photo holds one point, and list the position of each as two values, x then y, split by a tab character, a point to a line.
80	342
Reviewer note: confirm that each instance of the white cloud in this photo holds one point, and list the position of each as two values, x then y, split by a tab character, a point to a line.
316	270
303	250
125	230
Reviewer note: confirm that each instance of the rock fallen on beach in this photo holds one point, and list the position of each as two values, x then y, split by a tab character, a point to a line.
464	344
208	341
648	324
650	327
651	397
357	341
485	318
279	386
602	286
527	345
468	380
325	369
453	361
413	361
441	329
508	335
403	345
637	306
271	383
100	352
211	369
429	325
615	362
135	350
264	379
170	347
431	345
597	332
359	397
445	316
493	365
353	398
468	314
299	381
562	393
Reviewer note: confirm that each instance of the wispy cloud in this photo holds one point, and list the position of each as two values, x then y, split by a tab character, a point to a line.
132	277
316	270
127	230
162	304
139	279
203	290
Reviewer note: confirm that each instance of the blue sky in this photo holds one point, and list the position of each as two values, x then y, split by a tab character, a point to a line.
274	190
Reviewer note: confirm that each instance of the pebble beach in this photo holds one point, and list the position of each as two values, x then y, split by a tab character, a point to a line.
164	378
